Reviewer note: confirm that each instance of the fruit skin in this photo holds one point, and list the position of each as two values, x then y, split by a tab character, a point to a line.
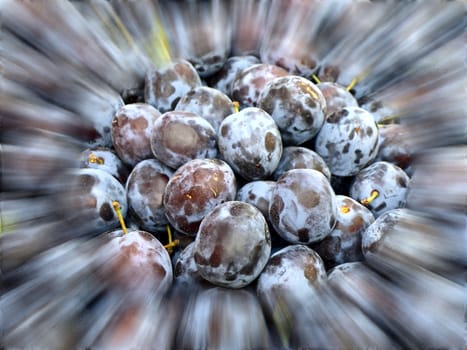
234	65
251	143
178	137
232	245
336	96
344	243
93	194
303	206
348	141
248	85
195	189
297	106
166	85
106	159
388	179
144	190
131	132
291	277
297	157
136	263
208	103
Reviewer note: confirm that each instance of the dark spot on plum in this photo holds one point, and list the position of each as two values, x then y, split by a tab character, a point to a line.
106	212
358	155
277	206
369	131
200	260
380	207
216	256
310	272
236	209
251	196
402	181
308	199
270	142
275	260
87	182
159	270
225	130
146	235
303	235
337	116
255	256
346	148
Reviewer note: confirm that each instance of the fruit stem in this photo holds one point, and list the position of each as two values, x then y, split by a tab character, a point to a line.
316	79
236	106
352	84
117	208
94	159
172	243
389	118
373	196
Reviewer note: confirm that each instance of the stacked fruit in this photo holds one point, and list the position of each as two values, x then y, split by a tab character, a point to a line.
257	160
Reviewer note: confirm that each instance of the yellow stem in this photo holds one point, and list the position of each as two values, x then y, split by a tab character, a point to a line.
316	79
117	208
172	244
352	84
236	106
373	196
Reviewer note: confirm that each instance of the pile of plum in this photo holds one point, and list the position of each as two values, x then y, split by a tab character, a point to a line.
268	180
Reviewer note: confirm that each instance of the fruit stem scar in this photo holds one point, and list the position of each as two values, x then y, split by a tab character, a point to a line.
316	79
345	209
94	159
236	106
171	243
117	208
373	196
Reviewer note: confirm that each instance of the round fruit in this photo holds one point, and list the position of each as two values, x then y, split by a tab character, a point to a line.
382	186
248	85
337	97
303	206
166	85
233	245
95	191
178	137
209	103
294	157
348	141
145	188
131	132
195	189
344	243
257	193
296	105
104	158
136	262
251	143
234	65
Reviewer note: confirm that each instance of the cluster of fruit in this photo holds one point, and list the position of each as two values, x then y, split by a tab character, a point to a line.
268	178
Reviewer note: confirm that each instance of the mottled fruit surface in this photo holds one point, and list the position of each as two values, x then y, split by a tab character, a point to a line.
381	186
303	206
137	263
348	141
257	193
94	193
209	103
248	85
297	157
144	189
195	189
178	137
251	143
233	245
344	243
105	159
131	132
337	97
296	105
290	278
166	85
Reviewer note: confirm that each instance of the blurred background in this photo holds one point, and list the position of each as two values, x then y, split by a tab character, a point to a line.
68	66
